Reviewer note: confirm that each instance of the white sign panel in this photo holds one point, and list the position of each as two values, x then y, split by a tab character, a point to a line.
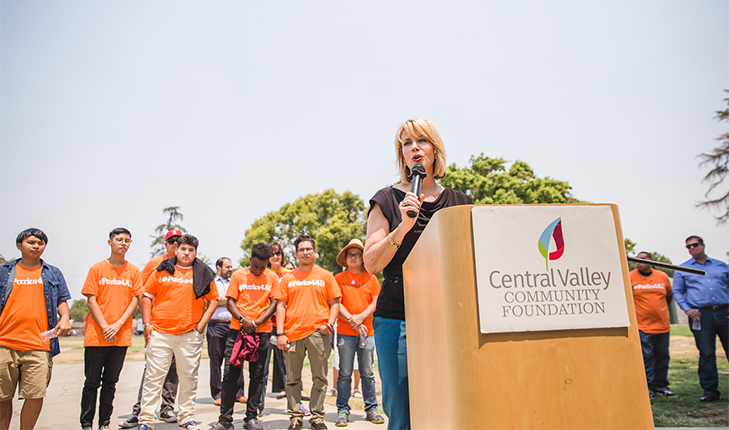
547	268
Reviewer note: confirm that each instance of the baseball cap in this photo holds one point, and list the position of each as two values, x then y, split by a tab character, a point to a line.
172	233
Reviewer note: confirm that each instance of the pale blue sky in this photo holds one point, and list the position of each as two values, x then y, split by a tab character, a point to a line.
110	111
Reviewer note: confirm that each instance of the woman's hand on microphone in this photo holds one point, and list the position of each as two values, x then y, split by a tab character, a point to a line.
411	202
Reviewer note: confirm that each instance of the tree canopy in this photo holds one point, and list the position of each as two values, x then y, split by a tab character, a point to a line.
488	181
719	160
78	310
330	218
158	240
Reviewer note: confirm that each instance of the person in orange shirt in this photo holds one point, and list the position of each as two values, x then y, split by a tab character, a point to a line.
179	299
307	307
169	388
31	292
652	294
251	306
354	332
113	287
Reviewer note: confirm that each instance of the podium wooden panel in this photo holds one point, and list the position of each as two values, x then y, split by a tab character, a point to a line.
462	379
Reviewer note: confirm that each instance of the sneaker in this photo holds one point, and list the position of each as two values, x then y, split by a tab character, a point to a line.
332	392
104	427
318	424
342	418
304	411
296	424
168	416
130	422
252	425
86	428
375	418
144	427
666	392
190	425
357	394
220	426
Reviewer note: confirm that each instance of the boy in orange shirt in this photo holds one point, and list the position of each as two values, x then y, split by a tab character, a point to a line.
169	388
31	292
307	307
251	305
179	299
652	293
113	287
355	333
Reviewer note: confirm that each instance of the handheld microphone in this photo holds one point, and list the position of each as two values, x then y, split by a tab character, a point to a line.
418	173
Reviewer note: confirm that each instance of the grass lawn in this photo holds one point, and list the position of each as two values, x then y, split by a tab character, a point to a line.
686	410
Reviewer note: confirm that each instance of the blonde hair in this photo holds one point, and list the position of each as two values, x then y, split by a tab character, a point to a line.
417	128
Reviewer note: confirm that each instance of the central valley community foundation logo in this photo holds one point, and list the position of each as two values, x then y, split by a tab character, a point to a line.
553	231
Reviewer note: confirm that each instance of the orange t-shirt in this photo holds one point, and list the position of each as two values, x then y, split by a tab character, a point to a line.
24	317
114	288
252	295
651	307
357	293
151	266
307	295
175	310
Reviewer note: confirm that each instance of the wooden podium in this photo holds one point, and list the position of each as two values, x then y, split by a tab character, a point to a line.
461	378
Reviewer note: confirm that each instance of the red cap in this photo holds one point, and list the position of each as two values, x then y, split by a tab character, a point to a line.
172	233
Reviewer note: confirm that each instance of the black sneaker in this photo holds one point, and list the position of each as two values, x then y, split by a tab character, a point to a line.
296	424
318	424
130	422
252	425
220	426
168	416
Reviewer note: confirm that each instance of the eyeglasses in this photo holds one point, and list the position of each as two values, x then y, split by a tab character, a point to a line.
122	240
692	245
354	255
172	241
305	250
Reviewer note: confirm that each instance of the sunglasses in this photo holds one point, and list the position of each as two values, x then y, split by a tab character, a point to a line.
692	245
172	241
278	253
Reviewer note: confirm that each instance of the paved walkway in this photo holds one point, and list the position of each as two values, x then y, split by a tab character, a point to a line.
62	407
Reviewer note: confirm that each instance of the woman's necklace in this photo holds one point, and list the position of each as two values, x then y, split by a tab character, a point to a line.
352	279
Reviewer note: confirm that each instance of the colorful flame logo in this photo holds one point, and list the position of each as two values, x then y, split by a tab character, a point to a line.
553	230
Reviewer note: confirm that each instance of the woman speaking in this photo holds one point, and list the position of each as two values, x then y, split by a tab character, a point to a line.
391	235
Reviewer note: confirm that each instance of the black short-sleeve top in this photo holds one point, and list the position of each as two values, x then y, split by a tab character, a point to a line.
391	301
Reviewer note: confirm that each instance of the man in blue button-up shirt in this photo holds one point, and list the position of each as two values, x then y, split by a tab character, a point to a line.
705	299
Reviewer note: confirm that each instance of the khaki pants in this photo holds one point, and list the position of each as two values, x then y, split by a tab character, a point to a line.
317	347
187	349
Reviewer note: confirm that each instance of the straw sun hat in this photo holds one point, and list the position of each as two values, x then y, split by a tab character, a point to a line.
342	256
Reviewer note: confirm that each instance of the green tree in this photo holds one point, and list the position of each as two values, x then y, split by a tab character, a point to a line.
158	240
488	181
330	218
79	309
3	260
719	159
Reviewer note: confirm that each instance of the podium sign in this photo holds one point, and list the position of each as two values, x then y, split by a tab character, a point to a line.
547	268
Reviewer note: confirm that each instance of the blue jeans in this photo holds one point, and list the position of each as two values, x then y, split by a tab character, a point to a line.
348	345
392	360
655	359
713	324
